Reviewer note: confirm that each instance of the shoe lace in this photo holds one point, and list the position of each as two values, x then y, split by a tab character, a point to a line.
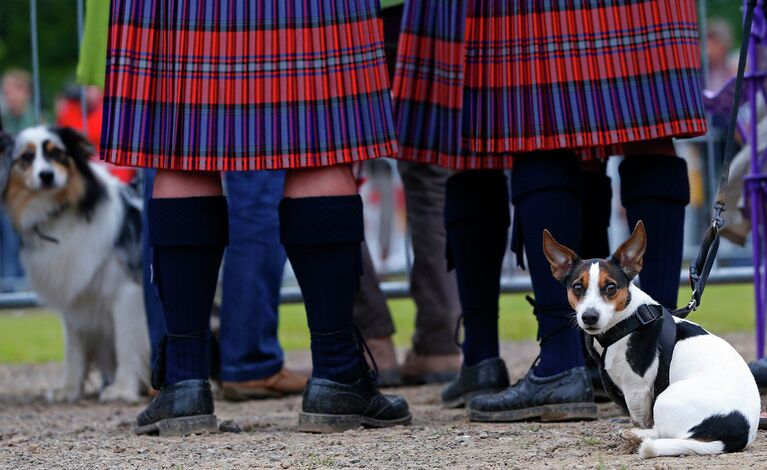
362	347
538	311
457	331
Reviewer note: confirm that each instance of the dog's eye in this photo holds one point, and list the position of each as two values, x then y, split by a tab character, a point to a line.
611	289
578	289
27	157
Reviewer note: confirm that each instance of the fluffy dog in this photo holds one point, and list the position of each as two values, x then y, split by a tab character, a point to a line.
80	233
710	403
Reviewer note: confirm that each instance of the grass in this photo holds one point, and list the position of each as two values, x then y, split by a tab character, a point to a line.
35	335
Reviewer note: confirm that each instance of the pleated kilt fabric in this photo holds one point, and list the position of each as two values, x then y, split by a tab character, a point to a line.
478	81
235	85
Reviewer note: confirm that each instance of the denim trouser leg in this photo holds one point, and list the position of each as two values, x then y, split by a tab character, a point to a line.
11	271
253	267
152	303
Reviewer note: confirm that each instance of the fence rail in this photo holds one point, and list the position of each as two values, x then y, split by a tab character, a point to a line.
400	289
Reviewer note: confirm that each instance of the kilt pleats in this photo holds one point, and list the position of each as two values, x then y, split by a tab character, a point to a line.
478	81
229	85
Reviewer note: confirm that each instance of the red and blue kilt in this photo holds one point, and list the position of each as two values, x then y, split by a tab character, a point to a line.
221	85
480	80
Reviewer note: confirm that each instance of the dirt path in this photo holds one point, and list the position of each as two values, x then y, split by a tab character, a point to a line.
91	435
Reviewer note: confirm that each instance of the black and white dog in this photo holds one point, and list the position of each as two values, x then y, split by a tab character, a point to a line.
710	403
80	232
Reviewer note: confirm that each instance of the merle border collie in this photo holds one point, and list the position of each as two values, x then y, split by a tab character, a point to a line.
80	233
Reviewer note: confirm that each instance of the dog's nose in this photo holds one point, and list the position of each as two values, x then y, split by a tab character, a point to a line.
590	317
46	177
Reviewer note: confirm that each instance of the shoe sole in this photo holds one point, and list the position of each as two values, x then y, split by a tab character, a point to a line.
326	423
183	426
464	399
546	413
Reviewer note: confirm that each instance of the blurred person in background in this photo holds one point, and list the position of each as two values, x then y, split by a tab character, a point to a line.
719	43
69	113
434	357
16	103
17	113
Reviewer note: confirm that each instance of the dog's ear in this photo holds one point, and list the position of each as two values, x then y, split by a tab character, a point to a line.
78	147
630	255
561	258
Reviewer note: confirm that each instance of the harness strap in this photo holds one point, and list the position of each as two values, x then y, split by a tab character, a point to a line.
645	315
666	343
612	390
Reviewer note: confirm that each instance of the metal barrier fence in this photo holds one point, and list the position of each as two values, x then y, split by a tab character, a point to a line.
401	289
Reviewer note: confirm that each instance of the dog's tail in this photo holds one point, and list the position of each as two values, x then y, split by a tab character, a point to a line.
671	447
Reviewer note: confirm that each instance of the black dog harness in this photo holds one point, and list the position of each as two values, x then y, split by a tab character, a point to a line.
638	324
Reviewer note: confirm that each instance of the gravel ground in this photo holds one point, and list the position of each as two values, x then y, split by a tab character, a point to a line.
92	435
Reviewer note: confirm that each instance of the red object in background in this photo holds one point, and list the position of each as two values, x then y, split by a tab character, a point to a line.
69	114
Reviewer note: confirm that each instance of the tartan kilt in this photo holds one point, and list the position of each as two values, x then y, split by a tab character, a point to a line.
478	81
237	85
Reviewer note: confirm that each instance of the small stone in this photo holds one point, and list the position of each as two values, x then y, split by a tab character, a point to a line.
285	464
229	426
119	450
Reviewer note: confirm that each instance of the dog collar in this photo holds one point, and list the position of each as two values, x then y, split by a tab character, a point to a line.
644	315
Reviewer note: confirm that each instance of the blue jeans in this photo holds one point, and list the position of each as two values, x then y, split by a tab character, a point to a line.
11	272
252	275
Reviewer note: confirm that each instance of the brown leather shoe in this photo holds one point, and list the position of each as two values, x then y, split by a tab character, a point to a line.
386	360
430	369
284	382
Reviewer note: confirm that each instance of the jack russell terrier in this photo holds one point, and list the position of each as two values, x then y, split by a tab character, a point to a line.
689	391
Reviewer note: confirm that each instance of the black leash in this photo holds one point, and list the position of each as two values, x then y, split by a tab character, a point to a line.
701	267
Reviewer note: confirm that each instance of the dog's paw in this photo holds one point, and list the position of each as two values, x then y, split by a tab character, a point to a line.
63	395
117	392
632	439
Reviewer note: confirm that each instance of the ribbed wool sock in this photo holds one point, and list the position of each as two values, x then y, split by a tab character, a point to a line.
596	205
546	191
656	189
188	236
322	238
477	223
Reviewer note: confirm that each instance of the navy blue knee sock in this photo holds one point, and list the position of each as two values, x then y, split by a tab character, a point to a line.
322	238
477	223
188	236
656	189
546	190
596	206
